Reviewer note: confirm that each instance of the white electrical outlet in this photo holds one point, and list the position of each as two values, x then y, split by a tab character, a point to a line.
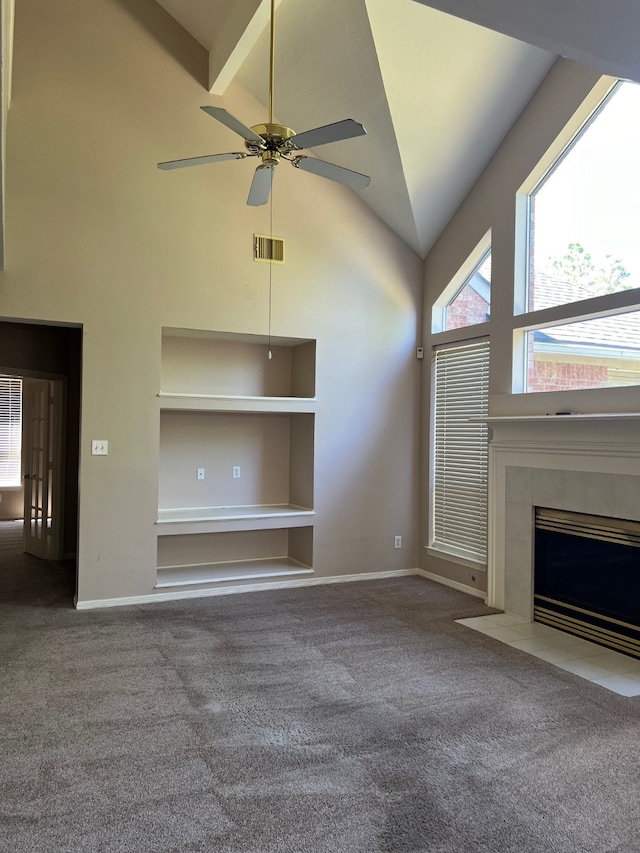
236	472
201	473
397	541
99	447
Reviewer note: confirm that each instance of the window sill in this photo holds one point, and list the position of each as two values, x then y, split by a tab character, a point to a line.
11	488
455	558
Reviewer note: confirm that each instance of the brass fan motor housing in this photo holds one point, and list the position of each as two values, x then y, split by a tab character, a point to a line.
274	135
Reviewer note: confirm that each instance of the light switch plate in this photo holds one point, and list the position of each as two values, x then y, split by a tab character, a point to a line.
99	447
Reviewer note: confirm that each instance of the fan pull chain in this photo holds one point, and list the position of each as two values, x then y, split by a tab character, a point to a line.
272	64
270	354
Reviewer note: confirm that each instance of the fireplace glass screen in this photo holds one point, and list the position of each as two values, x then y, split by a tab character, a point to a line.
587	577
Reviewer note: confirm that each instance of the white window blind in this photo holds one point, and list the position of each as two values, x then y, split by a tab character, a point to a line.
10	430
459	512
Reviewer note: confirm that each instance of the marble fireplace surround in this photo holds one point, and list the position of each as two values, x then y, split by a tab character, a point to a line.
580	463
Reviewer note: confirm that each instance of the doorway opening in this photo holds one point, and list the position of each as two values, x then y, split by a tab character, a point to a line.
39	515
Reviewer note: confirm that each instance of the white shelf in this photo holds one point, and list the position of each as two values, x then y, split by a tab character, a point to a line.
232	525
238	570
227	403
230	513
173	522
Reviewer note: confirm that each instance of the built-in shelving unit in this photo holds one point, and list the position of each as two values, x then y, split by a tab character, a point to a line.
227	408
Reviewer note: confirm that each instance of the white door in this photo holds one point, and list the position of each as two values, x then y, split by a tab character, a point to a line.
42	441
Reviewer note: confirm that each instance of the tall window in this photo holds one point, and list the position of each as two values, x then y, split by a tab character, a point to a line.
10	431
459	506
584	244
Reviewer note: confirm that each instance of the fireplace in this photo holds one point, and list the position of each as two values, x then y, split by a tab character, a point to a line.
587	577
585	464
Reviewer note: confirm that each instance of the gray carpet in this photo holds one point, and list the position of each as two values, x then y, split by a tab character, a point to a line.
355	717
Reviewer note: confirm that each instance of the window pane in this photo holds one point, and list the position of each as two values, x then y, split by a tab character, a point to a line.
600	353
471	304
585	216
10	431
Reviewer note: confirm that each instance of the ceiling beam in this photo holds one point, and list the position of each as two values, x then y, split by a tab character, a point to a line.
238	35
599	33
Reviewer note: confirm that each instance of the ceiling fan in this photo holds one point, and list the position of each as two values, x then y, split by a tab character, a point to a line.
273	142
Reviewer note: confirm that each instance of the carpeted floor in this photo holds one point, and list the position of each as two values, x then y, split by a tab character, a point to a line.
353	718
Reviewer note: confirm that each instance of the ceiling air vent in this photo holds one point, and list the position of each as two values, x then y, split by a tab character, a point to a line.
268	248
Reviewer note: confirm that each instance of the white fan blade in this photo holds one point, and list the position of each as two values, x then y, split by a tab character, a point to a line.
233	124
200	161
346	129
354	180
260	186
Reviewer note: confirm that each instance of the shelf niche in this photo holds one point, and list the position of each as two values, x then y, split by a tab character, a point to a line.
202	559
274	453
222	364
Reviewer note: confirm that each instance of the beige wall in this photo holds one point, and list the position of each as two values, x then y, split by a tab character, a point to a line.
258	444
491	205
96	235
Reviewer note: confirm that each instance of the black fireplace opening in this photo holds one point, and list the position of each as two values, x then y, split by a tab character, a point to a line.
587	577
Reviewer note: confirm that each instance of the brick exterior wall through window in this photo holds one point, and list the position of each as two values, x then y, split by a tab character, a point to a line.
467	309
563	376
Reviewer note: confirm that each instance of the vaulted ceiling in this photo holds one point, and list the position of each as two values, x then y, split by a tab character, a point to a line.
436	93
437	83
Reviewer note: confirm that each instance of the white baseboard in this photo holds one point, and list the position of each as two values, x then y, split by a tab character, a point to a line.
461	587
178	595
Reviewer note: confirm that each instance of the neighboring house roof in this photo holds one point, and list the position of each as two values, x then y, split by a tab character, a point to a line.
614	336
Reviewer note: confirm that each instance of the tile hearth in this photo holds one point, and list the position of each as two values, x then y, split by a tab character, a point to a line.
616	672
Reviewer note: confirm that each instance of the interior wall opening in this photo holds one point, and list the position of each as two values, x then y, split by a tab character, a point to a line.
48	359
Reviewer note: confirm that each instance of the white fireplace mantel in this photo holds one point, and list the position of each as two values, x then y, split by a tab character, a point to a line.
570	416
581	463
